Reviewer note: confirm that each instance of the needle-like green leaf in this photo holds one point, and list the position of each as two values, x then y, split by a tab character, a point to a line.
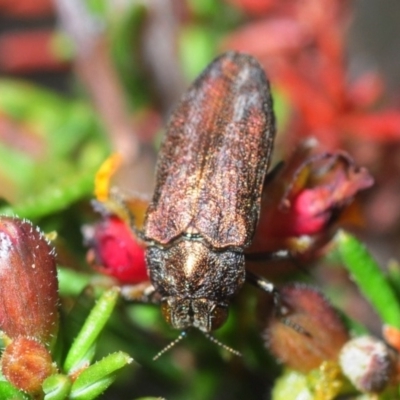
82	349
57	387
369	278
98	377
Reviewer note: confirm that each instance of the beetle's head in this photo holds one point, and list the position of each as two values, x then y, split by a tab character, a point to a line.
195	283
203	314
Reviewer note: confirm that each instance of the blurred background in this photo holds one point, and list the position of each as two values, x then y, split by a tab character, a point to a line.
81	79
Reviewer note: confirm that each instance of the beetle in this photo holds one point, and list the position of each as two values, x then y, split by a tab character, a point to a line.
209	180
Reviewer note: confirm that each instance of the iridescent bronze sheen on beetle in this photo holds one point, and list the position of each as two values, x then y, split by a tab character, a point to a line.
206	204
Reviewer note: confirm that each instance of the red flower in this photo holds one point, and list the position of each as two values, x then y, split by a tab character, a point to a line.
115	251
305	198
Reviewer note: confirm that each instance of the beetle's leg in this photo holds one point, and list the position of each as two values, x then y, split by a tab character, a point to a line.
280	255
262	283
271	175
269	256
141	292
281	310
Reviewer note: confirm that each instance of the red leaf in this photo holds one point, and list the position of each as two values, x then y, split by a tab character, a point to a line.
26	8
254	7
27	52
279	35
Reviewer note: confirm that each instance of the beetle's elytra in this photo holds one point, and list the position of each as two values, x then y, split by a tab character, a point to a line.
206	204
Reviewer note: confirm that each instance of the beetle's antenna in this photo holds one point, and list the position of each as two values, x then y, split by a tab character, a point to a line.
224	346
169	346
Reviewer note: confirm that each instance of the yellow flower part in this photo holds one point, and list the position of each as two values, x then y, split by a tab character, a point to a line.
103	177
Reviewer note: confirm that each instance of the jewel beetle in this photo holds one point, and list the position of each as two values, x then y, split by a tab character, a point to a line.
209	180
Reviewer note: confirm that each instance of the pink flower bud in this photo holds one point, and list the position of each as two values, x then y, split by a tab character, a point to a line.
305	199
28	282
26	363
368	363
305	330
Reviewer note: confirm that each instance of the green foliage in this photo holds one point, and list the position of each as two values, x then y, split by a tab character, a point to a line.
369	278
95	379
52	162
82	350
7	391
48	160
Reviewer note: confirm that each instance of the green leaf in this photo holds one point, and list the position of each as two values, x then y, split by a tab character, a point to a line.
57	387
82	349
22	167
61	125
282	108
70	282
197	49
51	160
126	35
394	275
9	392
97	7
151	398
54	198
369	278
98	377
204	8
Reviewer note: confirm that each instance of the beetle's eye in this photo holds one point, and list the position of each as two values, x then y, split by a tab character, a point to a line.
218	317
166	311
176	312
